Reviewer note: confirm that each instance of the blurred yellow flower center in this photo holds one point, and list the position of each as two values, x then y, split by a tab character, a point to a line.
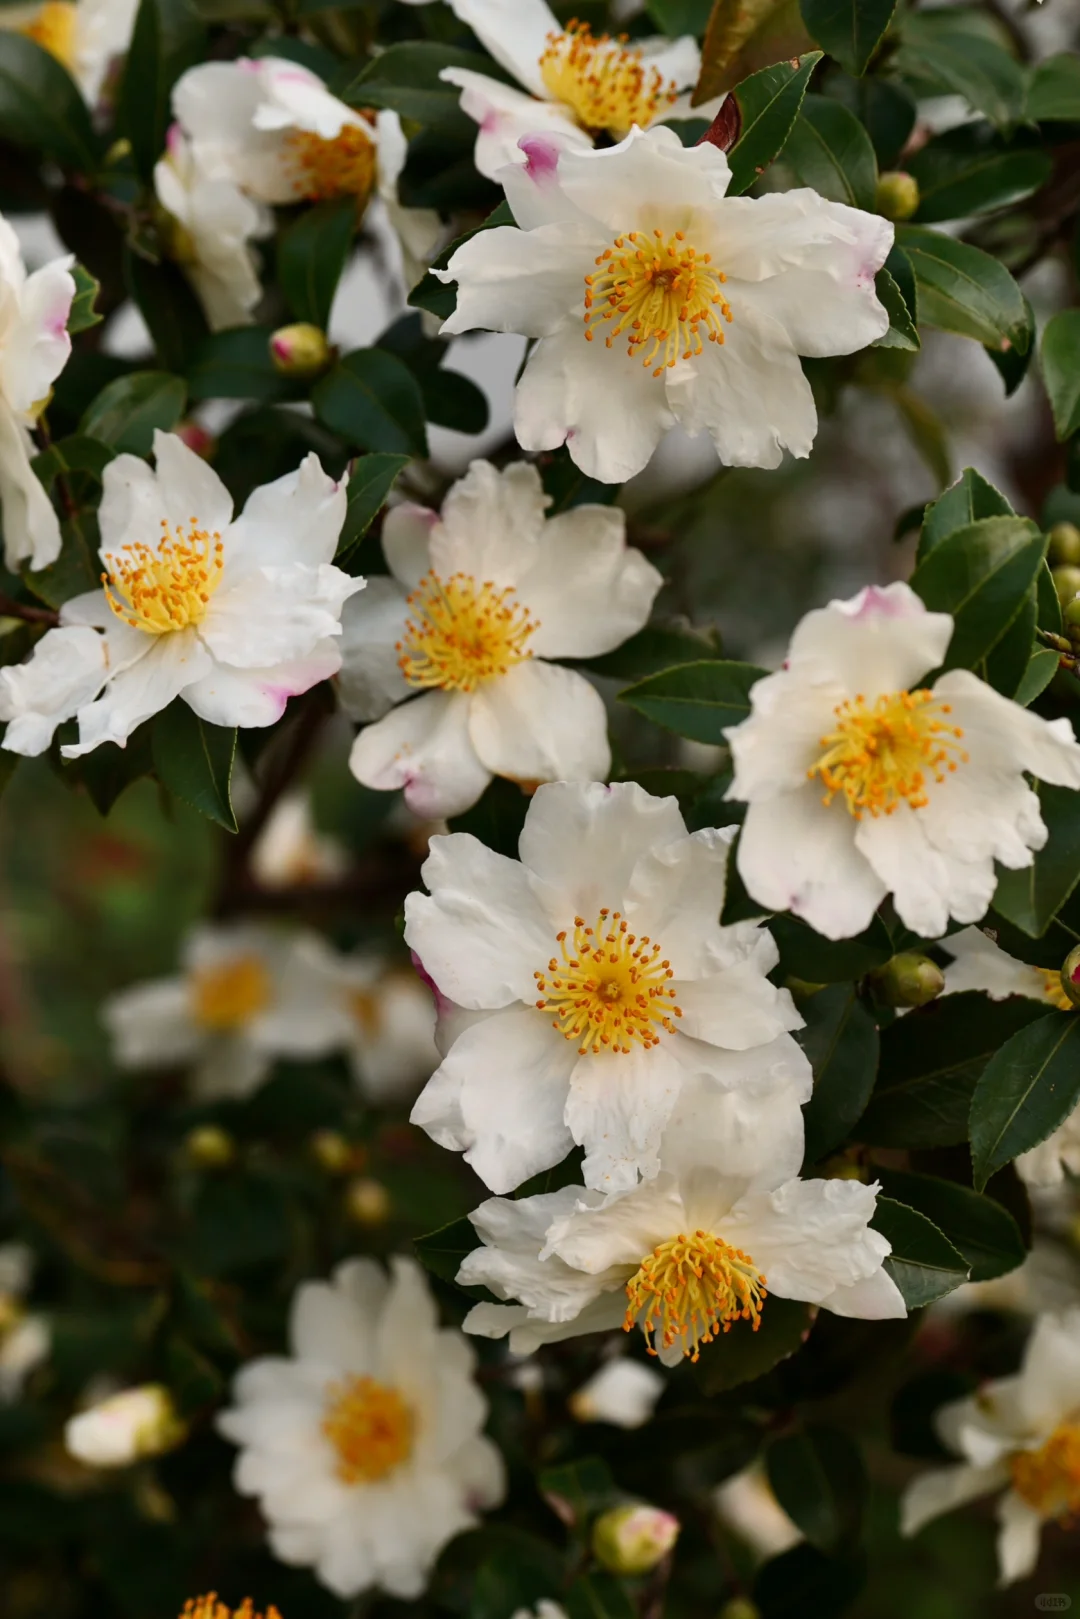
886	752
1048	1479
1053	990
365	1009
690	1289
610	991
11	1313
341	167
606	85
55	29
370	1427
462	633
228	996
211	1607
167	587
659	292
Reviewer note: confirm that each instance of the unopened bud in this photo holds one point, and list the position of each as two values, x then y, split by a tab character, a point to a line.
740	1608
126	1427
331	1151
633	1539
897	194
300	350
1070	976
1064	544
197	439
909	979
209	1147
1066	577
367	1202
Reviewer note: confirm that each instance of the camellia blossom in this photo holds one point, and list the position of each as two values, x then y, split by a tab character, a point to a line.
1020	1434
481	596
685	1257
576	85
208	226
587	986
656	300
233	615
290	851
364	1447
86	36
125	1427
861	782
34	347
623	1392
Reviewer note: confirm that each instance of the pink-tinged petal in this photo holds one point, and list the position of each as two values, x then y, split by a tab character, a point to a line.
798	854
882	640
36	344
257	697
31	526
423	746
505	116
531	282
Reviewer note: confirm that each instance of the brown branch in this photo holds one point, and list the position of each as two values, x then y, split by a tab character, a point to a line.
10	608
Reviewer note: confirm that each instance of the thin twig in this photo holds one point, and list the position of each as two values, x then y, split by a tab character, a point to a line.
10	608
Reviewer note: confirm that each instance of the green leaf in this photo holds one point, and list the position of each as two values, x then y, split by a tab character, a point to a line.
930	1063
697	700
1006	664
567	486
1025	1091
109	771
884	107
741	1355
923	1263
373	401
982	1230
804	1582
42	107
850	30
442	1251
677	17
805	954
77	568
769	102
830	150
194	1381
1059	356
1041	669
656	647
964	290
370	482
903	332
194	760
172	313
406	77
950	57
1054	91
127	412
578	1490
496	819
311	254
452	399
818	1477
980	574
841	1041
237	365
75	454
1012	363
83	312
1031	897
168	38
969	171
598	1596
965	502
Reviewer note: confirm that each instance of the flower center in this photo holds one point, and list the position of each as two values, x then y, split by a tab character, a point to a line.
664	296
605	85
691	1289
167	588
228	996
341	167
1048	1479
462	633
365	1009
1053	989
884	752
11	1314
55	29
610	989
211	1607
370	1427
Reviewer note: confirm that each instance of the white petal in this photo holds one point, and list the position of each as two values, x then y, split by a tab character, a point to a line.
151	1025
31	526
1018	1538
999	730
928	885
588	590
737	1008
530	282
295	519
276	614
618	1106
372	625
328	1327
623	1392
256	697
809	1237
1050	1381
754	1128
775	748
874	1298
882	640
649	179
515	36
505	115
675	896
978	963
67	670
423	746
798	854
491	524
619	1232
406	542
36	343
540	722
172	662
943	1490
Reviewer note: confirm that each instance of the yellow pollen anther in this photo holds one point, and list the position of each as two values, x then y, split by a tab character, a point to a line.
211	1607
883	753
462	633
370	1427
1053	990
341	167
1048	1479
610	990
665	297
691	1289
228	996
167	586
606	84
55	27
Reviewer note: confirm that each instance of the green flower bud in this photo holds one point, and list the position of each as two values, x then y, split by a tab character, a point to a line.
300	350
633	1539
909	979
209	1147
1070	976
1064	544
897	194
1066	577
740	1608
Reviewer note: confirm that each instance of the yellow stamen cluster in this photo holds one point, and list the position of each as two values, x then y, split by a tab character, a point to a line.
690	1289
462	633
341	167
168	586
606	84
659	292
1048	1479
370	1427
211	1607
55	27
1053	989
229	995
884	753
610	989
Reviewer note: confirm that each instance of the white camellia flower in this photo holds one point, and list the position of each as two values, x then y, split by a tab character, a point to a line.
25	1338
125	1427
657	300
686	1257
391	1029
86	36
575	85
209	227
861	782
364	1446
588	992
623	1392
979	963
480	597
34	347
1020	1434
291	852
233	615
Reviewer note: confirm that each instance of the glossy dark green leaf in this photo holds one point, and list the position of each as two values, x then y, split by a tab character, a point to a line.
496	819
576	1491
42	107
498	1570
441	1252
697	700
903	333
109	771
655	648
75	454
968	500
923	1263
1025	1091
805	954
1031	897
970	170
769	102
128	412
1042	667
964	290
980	1229
1012	363
566	486
168	38
884	107
237	365
804	1581
311	255
370	482
741	1355
166	302
194	760
841	1041
453	400
77	568
439	297
1059	357
850	30
83	312
818	1477
598	1596
1006	664
981	575
1054	90
948	56
373	401
406	77
830	150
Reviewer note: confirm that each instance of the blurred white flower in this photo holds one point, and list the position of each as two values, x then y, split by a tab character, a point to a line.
746	1504
544	1609
364	1447
623	1392
125	1427
391	1039
480	598
290	851
85	36
208	228
25	1339
233	615
860	783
